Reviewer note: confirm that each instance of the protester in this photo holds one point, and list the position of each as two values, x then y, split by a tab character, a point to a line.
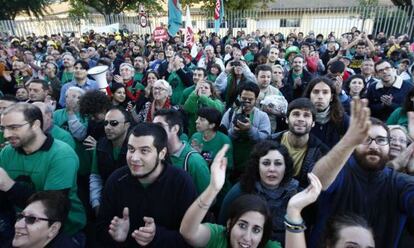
249	223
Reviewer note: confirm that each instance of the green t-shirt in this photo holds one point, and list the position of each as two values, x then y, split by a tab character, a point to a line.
60	119
218	238
186	93
177	88
197	167
209	149
63	135
52	167
138	77
194	103
66	77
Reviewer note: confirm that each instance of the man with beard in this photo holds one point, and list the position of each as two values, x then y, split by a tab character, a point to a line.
140	66
80	80
109	153
298	78
150	195
66	75
304	148
35	161
387	94
355	180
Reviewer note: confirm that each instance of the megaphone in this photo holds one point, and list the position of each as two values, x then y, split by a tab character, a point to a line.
99	74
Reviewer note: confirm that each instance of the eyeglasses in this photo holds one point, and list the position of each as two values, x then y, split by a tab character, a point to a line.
13	127
385	69
381	141
399	140
158	89
113	123
30	220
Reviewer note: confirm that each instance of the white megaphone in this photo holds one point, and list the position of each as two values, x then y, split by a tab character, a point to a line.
99	74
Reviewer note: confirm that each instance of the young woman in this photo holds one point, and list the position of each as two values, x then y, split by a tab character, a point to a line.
355	86
249	223
342	231
204	95
269	175
118	94
148	80
215	70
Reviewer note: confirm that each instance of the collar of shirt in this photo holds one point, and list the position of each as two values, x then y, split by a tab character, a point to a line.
397	83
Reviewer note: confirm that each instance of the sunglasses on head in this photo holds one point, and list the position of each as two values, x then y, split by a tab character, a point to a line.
113	123
30	220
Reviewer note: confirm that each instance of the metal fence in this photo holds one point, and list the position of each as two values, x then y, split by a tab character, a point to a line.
389	19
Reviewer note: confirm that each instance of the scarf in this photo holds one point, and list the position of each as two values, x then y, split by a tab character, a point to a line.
323	117
277	200
151	110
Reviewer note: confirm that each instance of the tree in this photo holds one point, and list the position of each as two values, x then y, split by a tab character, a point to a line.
107	7
402	2
9	9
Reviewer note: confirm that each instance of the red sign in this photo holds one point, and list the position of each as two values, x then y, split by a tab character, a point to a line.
160	34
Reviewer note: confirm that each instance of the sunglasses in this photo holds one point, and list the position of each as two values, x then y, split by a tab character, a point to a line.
30	220
113	123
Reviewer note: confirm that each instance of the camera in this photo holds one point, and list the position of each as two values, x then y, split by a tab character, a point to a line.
242	117
235	63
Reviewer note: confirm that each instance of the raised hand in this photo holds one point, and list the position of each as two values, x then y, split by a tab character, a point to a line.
144	235
304	198
218	169
359	123
119	227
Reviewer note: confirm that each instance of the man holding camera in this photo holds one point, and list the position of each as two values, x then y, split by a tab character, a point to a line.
246	125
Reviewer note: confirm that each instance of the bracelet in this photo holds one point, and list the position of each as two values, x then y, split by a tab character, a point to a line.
295	229
201	204
287	220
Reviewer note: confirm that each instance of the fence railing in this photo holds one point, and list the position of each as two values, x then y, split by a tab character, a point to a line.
372	19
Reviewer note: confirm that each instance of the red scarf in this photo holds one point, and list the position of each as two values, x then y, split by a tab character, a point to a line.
151	110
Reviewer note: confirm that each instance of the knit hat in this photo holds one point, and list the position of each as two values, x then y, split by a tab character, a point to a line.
291	49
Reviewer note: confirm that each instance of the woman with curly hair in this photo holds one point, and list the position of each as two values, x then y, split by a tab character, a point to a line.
269	175
249	223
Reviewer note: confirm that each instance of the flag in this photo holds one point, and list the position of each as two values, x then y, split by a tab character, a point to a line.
218	15
174	17
189	34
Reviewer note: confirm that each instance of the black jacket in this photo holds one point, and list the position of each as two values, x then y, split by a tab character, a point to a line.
106	161
298	92
316	150
166	200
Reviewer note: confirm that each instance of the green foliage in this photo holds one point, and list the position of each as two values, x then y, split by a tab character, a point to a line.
107	7
10	8
402	2
238	4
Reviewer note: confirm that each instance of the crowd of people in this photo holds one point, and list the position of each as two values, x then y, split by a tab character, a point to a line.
246	140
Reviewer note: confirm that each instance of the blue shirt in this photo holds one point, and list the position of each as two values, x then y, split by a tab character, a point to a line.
88	85
385	198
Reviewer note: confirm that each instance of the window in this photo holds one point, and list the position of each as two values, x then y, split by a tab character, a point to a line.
210	24
289	23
